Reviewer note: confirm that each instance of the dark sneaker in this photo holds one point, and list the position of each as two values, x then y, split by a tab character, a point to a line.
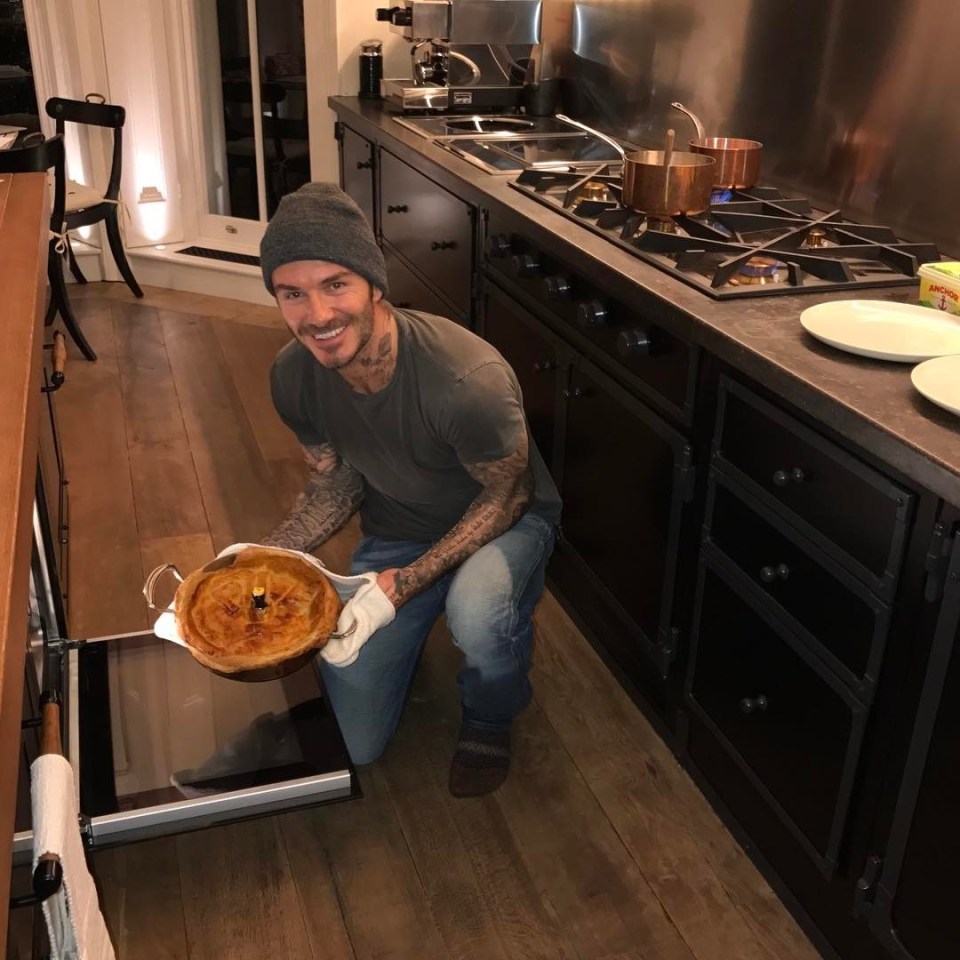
481	762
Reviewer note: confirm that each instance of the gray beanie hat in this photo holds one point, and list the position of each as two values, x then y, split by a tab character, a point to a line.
320	222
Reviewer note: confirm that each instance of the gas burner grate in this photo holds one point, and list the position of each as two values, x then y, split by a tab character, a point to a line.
809	250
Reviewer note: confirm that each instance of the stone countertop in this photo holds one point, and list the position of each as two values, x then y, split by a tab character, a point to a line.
871	403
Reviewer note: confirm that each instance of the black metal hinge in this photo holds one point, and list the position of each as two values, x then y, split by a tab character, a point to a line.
687	475
866	889
936	561
667	645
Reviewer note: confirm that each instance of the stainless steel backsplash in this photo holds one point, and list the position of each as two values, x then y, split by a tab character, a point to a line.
854	100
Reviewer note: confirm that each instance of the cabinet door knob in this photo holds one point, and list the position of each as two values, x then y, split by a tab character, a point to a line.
556	288
397	208
525	265
634	343
443	245
499	245
365	164
752	704
543	366
780	572
782	478
572	393
591	313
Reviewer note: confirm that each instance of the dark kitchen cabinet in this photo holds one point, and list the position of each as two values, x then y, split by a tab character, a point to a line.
759	690
626	482
358	170
798	693
607	392
538	361
429	228
801	549
409	291
910	890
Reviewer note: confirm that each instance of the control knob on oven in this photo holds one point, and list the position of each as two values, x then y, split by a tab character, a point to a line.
634	343
591	313
556	288
499	246
525	265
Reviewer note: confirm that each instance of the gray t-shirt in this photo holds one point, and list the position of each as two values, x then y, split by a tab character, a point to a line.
452	400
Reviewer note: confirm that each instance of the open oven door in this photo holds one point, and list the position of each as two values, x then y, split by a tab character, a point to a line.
160	745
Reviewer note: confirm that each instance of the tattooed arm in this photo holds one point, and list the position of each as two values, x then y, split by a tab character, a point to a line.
506	494
333	494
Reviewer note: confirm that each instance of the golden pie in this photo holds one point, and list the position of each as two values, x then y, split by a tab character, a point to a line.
254	609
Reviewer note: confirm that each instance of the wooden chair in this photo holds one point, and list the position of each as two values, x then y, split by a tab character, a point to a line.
39	158
87	205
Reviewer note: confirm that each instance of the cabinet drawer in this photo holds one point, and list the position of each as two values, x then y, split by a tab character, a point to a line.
796	732
408	291
844	622
429	227
853	512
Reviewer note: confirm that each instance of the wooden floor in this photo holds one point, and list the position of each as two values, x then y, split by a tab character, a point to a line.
599	847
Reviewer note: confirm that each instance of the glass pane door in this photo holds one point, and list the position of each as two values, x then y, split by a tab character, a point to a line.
18	99
254	104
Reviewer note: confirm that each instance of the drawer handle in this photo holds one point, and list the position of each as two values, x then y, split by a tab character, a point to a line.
543	366
443	245
752	704
397	208
784	477
780	572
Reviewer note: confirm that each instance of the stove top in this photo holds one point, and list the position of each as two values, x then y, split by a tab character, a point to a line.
749	243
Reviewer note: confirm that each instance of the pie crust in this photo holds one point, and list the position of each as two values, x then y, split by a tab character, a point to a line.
263	608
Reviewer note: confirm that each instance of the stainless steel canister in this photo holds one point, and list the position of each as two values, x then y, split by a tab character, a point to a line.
371	69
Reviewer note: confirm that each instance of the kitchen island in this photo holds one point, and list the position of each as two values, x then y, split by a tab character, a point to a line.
760	532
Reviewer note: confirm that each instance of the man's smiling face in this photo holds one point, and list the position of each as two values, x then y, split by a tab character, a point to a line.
328	308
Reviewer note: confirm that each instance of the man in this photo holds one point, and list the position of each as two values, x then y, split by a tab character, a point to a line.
419	424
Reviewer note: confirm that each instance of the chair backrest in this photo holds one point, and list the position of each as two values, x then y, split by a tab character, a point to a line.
94	114
38	158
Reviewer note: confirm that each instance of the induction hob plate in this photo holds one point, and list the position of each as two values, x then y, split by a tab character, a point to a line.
483	125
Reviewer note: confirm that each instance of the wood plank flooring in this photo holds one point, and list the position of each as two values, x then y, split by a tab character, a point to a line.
599	847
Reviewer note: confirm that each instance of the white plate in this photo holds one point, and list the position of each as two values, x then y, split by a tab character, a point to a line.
939	381
886	331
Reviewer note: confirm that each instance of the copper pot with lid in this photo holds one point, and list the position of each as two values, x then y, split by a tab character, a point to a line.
738	160
660	183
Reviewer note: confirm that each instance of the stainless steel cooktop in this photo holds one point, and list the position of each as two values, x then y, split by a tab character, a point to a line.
512	144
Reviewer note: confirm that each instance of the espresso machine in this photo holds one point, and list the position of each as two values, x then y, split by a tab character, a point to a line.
466	55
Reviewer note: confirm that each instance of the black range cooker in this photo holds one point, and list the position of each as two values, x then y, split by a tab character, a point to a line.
748	243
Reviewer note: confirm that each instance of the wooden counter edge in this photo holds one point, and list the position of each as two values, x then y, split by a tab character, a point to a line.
24	222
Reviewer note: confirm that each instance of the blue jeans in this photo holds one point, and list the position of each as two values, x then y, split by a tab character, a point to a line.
488	601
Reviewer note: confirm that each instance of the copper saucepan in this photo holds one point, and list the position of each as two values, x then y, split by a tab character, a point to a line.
738	160
657	189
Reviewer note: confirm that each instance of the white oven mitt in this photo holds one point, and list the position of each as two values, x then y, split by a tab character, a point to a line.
366	609
362	615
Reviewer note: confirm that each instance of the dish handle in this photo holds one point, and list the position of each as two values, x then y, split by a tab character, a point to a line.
149	586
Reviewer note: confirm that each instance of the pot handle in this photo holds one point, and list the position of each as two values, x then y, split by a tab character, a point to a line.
151	583
596	133
692	116
349	632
